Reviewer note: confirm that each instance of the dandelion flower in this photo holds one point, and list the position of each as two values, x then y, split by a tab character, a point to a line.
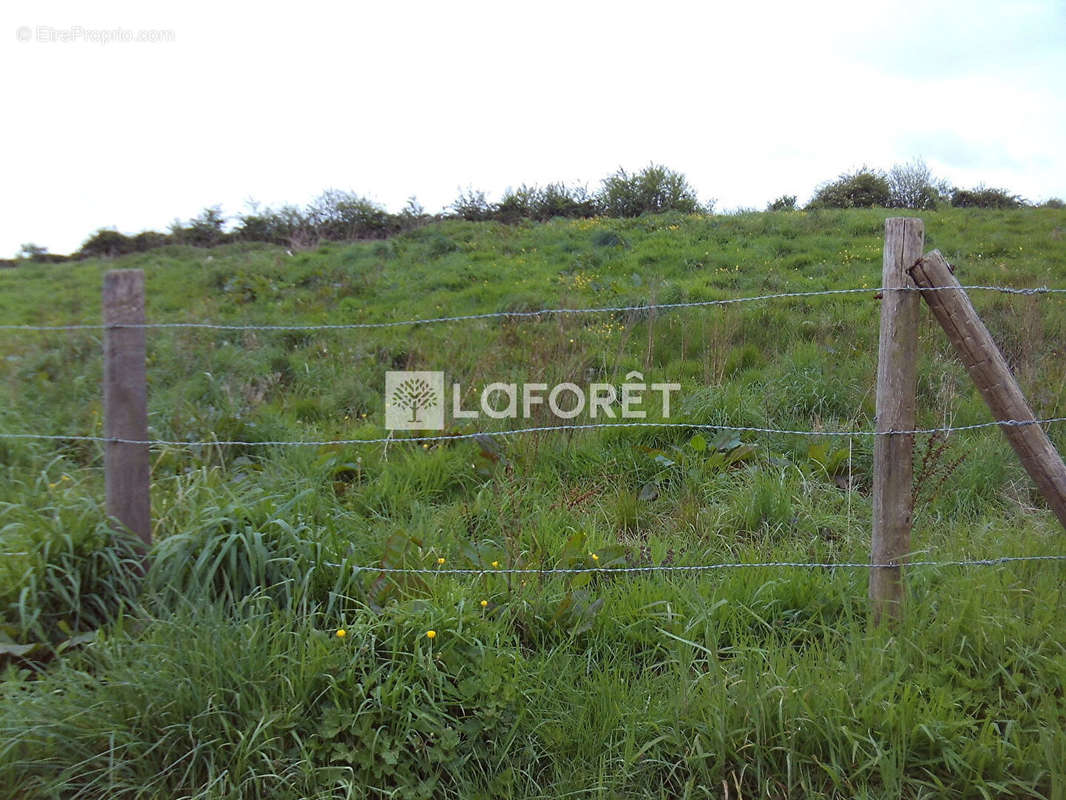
431	634
341	633
440	560
594	557
484	603
495	564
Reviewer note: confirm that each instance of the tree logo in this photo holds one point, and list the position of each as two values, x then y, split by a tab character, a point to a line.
415	394
414	401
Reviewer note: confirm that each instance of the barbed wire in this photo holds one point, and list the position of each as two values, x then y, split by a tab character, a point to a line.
450	437
524	314
977	562
668	568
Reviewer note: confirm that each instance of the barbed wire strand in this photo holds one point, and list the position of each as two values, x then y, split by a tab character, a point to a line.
978	562
446	437
661	568
525	314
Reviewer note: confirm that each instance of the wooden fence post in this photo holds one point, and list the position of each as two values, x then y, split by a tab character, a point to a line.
126	466
893	470
989	370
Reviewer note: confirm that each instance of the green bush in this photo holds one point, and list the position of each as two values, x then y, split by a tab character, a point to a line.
109	243
913	186
863	188
472	206
147	240
37	254
280	226
653	190
106	243
342	216
985	197
516	204
786	202
205	230
32	252
560	200
414	213
529	202
334	215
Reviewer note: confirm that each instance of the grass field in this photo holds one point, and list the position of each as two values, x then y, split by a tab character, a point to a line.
222	675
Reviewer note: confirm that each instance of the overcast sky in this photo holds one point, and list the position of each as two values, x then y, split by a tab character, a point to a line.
276	102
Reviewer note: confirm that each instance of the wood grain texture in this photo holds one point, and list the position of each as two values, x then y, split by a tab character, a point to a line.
991	373
126	466
893	469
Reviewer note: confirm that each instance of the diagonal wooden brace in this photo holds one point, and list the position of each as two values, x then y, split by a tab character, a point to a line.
989	370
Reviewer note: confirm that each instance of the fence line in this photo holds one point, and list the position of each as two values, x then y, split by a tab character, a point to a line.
667	568
979	562
527	314
891	559
445	437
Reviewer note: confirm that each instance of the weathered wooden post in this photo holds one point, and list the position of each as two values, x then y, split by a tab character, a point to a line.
989	370
896	389
126	466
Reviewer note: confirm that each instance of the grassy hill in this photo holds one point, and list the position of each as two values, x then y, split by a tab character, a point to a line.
223	675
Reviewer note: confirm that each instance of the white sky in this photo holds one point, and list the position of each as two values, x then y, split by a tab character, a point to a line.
277	102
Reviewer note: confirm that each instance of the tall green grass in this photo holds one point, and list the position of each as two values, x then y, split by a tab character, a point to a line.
767	681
